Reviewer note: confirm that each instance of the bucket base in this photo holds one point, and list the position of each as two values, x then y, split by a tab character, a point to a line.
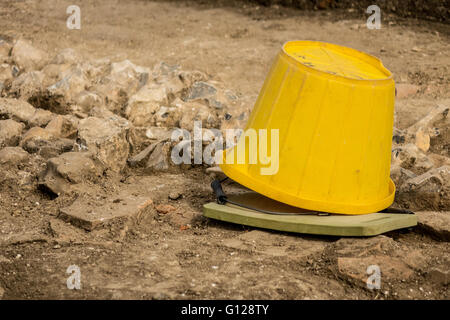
333	225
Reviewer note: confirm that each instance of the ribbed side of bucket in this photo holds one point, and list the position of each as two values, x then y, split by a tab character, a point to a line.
334	140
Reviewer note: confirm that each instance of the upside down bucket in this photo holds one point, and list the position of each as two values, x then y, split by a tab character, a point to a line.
333	107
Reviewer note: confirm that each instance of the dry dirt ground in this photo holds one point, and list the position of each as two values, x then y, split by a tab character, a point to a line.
180	254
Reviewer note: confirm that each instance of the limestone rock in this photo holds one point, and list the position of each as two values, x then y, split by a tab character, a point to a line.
429	191
66	56
87	214
434	125
106	139
201	90
10	132
13	155
54	73
5	49
273	244
123	80
159	159
410	157
28	57
35	135
68	169
142	106
439	276
191	112
72	83
87	100
27	84
6	72
396	261
436	223
40	118
164	208
61	127
17	110
140	137
43	142
391	269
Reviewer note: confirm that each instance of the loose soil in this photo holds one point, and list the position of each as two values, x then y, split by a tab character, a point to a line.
181	255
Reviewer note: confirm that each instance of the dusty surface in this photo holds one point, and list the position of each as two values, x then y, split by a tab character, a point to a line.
172	252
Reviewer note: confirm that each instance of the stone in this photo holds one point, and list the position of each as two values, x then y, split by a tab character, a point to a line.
200	90
66	56
103	113
139	158
35	135
106	139
439	160
13	155
67	169
392	269
140	137
72	83
95	69
396	261
272	244
379	245
399	175
405	90
61	127
142	106
5	49
6	72
88	100
431	126
28	57
123	81
40	118
191	112
429	191
158	133
27	84
159	158
175	87
89	216
128	68
175	195
164	208
164	117
191	77
53	148
435	223
54	73
163	71
410	157
439	276
422	140
10	132
17	110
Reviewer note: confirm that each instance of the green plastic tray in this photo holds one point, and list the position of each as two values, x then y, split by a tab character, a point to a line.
333	225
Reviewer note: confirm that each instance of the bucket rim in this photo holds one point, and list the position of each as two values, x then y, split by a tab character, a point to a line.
346	208
365	57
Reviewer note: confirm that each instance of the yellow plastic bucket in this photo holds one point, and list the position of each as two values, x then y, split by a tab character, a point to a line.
333	107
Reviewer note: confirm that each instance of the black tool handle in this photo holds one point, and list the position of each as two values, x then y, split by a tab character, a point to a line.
220	195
